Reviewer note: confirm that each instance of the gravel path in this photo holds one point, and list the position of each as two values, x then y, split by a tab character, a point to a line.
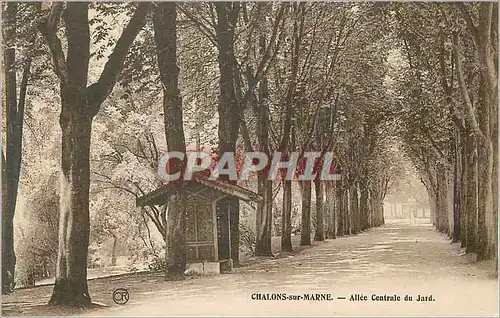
397	259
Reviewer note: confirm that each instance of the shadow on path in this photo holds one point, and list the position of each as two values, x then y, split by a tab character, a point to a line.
396	258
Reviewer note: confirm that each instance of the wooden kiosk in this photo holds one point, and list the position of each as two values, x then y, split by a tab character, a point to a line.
208	223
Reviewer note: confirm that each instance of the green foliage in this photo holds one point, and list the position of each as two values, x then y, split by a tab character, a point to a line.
368	86
157	264
247	238
37	240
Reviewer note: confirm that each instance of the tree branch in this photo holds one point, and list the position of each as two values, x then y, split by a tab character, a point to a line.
97	93
463	88
200	26
486	17
78	36
468	20
246	137
48	28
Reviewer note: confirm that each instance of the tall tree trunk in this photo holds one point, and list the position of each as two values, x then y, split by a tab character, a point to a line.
485	171
264	218
114	249
485	200
229	114
176	238
9	182
380	211
472	195
450	204
79	104
165	29
347	212
288	138
287	142
483	121
8	256
456	188
432	207
320	226
327	216
333	211
305	231
464	188
286	217
223	231
339	209
494	180
433	193
486	38
330	232
379	205
76	125
373	206
234	228
14	121
71	273
357	207
363	206
437	209
265	210
442	207
228	108
355	211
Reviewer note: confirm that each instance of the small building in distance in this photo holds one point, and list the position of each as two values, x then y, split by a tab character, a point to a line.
208	239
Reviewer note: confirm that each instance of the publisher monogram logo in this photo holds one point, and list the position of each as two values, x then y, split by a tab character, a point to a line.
120	296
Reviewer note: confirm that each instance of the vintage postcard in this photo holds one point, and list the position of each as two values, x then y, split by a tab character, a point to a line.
249	158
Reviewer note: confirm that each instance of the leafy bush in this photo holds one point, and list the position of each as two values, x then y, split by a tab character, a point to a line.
247	238
158	263
33	267
36	236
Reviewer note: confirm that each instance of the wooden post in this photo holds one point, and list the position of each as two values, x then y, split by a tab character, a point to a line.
196	248
230	260
214	227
